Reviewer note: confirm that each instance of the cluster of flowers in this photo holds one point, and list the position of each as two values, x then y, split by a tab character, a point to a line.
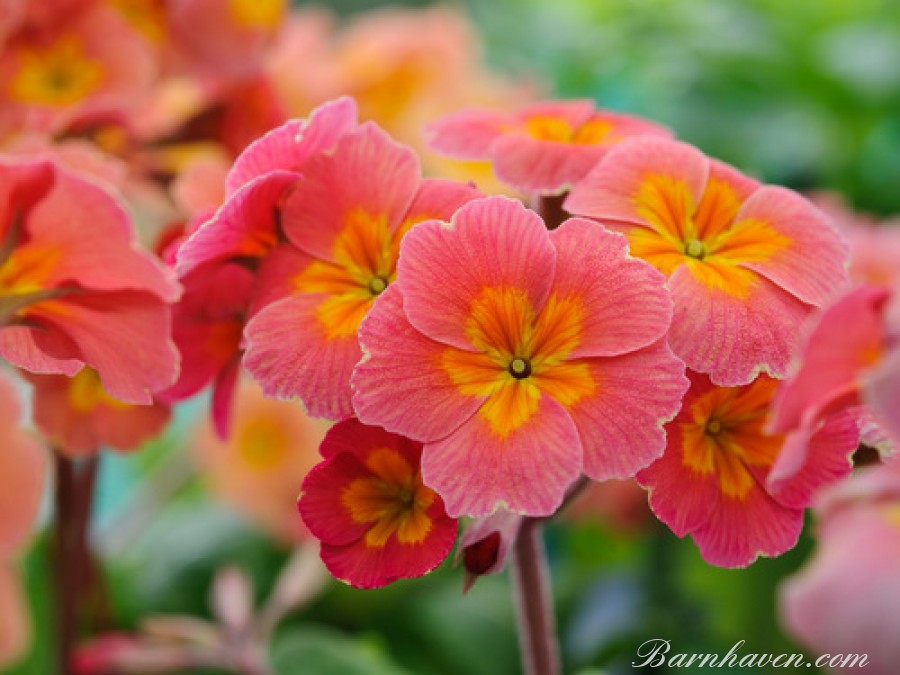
481	359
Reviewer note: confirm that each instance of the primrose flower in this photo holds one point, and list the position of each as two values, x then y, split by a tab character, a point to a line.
746	263
75	289
259	466
344	220
79	417
711	482
545	148
851	358
378	522
520	358
844	599
83	59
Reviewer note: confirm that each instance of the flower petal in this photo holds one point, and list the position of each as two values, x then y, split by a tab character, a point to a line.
467	134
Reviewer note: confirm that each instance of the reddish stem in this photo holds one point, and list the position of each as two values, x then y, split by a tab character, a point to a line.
551	210
534	609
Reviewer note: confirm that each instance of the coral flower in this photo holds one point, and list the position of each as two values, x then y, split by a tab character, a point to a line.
545	148
711	482
844	601
259	467
851	358
79	417
746	263
344	221
521	358
378	522
75	289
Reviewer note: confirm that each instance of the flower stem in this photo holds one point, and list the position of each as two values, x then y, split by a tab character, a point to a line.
536	620
74	495
551	210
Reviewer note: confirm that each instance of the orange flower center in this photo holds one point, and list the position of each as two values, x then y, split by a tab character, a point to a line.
259	14
559	130
725	435
86	393
705	236
521	355
262	443
24	276
394	500
58	74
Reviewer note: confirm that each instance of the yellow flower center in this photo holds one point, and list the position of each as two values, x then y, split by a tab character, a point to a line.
56	75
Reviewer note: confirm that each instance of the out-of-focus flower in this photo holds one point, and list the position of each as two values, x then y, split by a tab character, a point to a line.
851	358
621	504
75	289
23	469
367	504
711	482
259	467
509	351
545	148
746	263
78	417
874	246
87	60
845	599
344	221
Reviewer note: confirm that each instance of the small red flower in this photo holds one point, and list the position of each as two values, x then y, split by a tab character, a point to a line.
376	519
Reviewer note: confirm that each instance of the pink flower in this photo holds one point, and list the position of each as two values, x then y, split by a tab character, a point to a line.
545	148
746	263
851	358
712	482
75	289
378	522
520	358
845	599
79	418
344	221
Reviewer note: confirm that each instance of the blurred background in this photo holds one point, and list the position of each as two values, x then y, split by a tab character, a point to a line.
803	93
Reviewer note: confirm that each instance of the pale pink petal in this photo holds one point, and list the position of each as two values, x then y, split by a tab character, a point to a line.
881	391
246	225
475	471
15	622
813	265
625	302
439	199
621	424
609	191
733	339
468	134
492	243
289	355
399	368
836	352
366	175
291	145
543	167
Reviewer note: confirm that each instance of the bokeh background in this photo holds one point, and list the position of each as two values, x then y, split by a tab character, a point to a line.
803	93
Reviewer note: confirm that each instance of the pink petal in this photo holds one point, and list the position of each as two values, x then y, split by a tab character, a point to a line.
93	237
321	505
492	243
828	458
467	134
625	301
543	167
290	356
246	225
813	265
277	274
486	542
610	190
439	199
621	425
124	335
730	338
527	472
291	145
39	351
738	531
834	356
223	396
367	173
396	385
22	185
